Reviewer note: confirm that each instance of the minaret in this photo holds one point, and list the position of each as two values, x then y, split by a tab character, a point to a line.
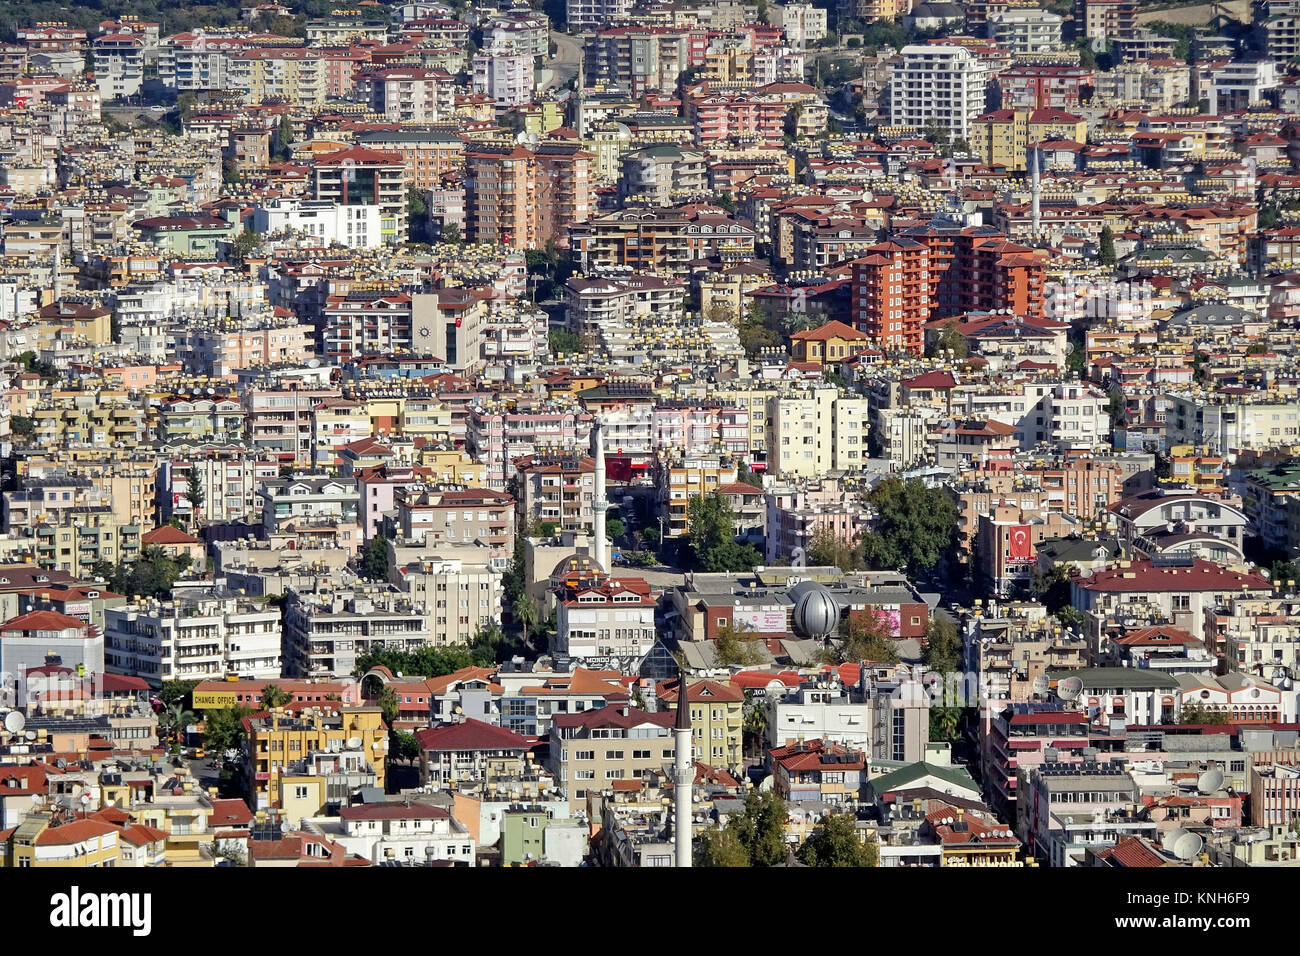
683	776
599	549
1036	190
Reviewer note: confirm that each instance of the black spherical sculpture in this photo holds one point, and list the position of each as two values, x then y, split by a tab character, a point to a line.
816	612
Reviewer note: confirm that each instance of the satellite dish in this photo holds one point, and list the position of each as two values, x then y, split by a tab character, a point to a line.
1069	688
1187	846
85	799
30	735
1209	782
354	743
15	721
1085	572
1172	837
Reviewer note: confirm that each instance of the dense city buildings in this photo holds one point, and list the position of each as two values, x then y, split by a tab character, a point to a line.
621	433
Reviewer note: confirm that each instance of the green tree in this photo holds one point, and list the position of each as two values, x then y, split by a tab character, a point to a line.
22	426
1106	246
738	648
720	846
950	339
828	549
403	745
1283	571
614	528
862	637
712	538
747	477
1053	588
274	696
1203	715
150	575
178	691
173	720
753	837
1258	347
388	704
563	342
246	243
917	526
724	202
282	148
374	561
223	728
195	494
524	610
416	207
945	722
451	233
943	646
836	843
755	332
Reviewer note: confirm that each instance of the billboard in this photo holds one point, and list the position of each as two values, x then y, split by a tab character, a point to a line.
764	622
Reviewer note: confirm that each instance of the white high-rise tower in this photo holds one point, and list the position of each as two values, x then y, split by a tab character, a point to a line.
599	549
683	777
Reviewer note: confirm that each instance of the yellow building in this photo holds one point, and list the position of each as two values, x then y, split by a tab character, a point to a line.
1189	465
717	720
425	417
681	478
346	740
453	466
1002	138
541	118
36	842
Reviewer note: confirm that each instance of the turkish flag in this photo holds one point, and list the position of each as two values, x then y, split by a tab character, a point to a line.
1019	548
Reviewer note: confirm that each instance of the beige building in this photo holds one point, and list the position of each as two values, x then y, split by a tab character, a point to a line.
608	748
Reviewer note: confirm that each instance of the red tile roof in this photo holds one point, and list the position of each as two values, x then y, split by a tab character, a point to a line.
470	734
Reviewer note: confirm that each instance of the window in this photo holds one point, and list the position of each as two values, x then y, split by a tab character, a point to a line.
584	755
640	754
613	774
613	755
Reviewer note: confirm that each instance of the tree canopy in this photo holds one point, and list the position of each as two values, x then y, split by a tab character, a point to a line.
224	728
712	538
374	562
836	843
863	637
733	646
753	837
917	526
943	649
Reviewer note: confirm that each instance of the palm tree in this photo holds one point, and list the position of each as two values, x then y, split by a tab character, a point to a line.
525	612
755	722
274	696
175	719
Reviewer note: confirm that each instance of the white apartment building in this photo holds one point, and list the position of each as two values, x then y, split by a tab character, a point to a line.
1025	31
938	84
407	95
459	597
813	432
357	227
325	633
200	635
604	623
590	14
411	834
802	23
1064	415
504	73
1226	424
